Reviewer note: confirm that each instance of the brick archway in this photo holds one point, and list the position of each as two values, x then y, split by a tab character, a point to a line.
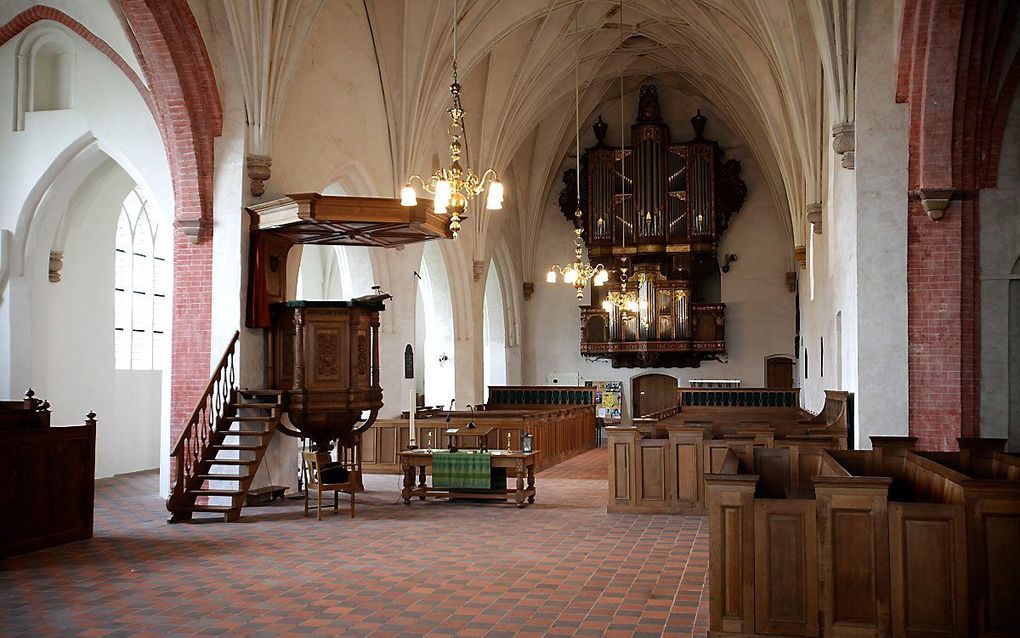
180	90
955	72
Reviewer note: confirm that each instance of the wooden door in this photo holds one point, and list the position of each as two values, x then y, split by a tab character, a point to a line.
779	373
653	392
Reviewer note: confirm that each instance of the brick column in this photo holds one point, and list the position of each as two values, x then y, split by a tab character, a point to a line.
192	323
958	70
942	326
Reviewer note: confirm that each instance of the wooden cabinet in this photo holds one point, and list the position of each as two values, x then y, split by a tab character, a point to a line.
49	474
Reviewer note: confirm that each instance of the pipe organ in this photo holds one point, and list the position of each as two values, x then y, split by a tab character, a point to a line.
656	208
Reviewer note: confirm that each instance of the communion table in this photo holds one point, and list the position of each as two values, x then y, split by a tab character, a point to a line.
415	464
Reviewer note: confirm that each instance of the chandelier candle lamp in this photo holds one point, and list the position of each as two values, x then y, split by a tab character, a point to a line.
454	187
578	273
626	300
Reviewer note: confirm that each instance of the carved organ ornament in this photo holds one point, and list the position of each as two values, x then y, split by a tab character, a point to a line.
663	222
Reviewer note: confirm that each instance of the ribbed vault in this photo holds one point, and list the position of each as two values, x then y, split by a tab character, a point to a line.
755	61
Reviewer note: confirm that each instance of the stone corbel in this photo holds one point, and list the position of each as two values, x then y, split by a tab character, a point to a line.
258	172
56	264
190	227
814	216
843	143
529	289
935	201
800	256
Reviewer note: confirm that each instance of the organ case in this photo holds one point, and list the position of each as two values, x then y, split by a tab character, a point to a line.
657	208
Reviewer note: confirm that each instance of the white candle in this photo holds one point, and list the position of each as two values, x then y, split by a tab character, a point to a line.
411	438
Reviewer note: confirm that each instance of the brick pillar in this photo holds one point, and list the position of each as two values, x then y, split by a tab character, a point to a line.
192	323
942	326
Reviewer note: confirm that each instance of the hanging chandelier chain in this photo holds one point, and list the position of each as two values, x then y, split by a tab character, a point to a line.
579	273
628	301
454	187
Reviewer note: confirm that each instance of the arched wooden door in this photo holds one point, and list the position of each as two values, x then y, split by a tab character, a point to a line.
652	393
778	372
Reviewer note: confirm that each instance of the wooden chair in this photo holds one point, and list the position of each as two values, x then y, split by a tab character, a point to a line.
313	461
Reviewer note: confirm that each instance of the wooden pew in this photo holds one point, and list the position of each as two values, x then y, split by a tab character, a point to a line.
560	431
49	474
886	542
666	469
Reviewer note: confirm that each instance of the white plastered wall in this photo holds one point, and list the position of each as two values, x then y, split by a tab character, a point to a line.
1000	309
860	258
76	370
45	166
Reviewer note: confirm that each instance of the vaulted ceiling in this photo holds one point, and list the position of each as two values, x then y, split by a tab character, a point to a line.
757	62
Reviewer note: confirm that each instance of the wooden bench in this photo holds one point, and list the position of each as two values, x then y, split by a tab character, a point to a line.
884	542
660	466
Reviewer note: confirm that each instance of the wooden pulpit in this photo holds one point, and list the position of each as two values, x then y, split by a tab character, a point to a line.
325	355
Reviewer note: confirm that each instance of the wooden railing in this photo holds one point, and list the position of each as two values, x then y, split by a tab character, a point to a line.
739	397
510	396
193	440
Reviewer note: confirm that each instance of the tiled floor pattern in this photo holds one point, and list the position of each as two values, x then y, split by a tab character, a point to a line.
593	465
562	567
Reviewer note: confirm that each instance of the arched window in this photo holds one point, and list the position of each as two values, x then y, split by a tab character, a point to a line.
437	342
493	332
141	285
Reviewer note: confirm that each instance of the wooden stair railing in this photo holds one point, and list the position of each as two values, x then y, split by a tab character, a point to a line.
221	406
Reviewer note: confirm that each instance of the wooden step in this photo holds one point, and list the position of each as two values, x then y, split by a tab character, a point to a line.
262	432
219	509
254	393
221	477
235	448
256	406
233	461
212	492
250	419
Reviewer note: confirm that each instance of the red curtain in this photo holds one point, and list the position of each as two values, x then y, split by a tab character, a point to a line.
257	312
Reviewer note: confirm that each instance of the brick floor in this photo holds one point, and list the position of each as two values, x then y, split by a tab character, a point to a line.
561	567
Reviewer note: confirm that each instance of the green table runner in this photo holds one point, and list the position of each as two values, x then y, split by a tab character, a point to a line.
461	469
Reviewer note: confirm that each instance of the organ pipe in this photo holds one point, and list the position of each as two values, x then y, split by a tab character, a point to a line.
655	203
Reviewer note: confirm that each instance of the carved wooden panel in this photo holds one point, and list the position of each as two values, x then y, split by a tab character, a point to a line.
653	473
854	559
369	446
785	567
996	526
326	349
387	450
621	475
688	473
731	575
928	573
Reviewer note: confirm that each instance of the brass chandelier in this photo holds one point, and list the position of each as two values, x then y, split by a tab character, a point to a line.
578	273
628	301
454	187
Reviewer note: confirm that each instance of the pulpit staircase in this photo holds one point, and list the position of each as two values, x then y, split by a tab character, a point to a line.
221	447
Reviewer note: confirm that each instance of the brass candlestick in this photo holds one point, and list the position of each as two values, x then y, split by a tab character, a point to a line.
508	450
